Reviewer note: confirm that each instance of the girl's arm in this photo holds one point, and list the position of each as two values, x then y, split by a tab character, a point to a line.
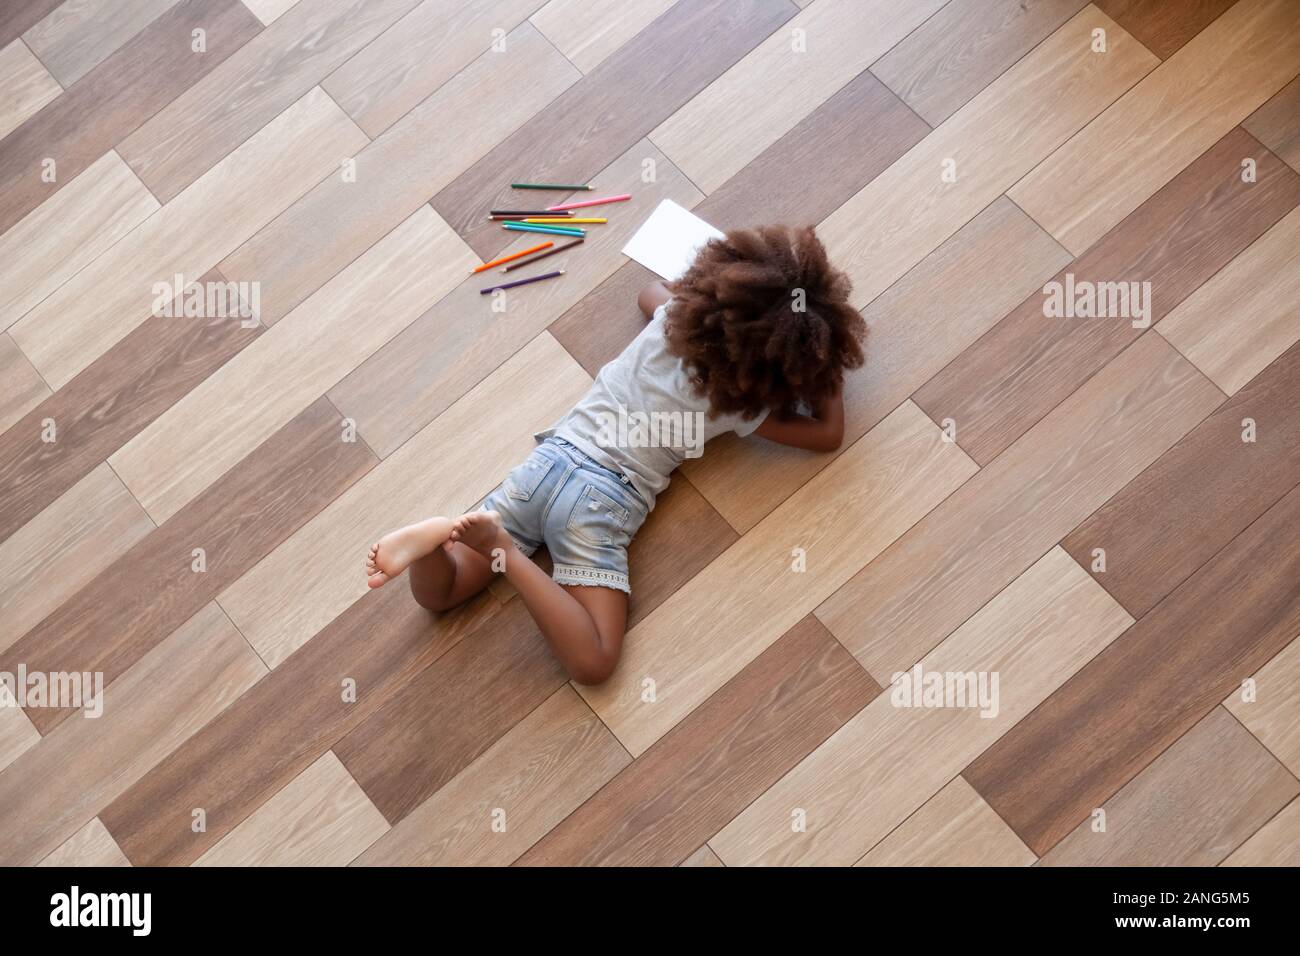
824	431
651	297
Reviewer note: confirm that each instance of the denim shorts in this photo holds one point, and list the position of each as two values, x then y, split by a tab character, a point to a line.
584	513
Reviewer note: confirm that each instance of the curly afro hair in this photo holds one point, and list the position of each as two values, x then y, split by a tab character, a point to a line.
762	320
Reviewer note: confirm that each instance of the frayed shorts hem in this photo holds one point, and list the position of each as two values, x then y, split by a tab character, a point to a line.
591	577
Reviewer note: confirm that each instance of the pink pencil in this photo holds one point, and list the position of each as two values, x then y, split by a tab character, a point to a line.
589	202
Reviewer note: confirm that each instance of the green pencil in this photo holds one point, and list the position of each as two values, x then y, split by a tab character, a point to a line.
559	186
547	230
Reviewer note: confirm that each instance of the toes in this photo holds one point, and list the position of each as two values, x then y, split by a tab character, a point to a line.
377	580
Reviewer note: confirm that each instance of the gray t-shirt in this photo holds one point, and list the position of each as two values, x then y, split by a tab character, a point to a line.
641	416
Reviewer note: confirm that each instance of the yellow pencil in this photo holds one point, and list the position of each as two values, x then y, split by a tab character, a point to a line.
561	219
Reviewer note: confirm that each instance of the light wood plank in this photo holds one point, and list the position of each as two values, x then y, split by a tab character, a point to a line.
587	31
868	778
954	828
703	856
1276	843
278	610
512	795
993	528
1163	27
268	11
17	18
322	818
787	76
1151	133
86	763
200	437
1247	315
52	556
1273	716
17	733
80	34
111	296
67	232
1012	125
21	386
751	595
1276	124
92	845
27	84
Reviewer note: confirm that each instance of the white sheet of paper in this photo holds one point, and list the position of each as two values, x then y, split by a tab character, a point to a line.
667	242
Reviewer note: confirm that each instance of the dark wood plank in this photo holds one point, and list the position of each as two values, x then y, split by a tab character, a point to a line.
604	114
694	781
1150	686
18	16
105	406
1164	26
151	590
95	113
1028	363
1276	124
1200	494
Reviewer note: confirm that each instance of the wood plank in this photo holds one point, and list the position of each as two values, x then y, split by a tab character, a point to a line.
92	845
1148	688
322	818
1246	316
264	386
135	602
449	349
302	249
28	86
189	235
91	117
704	856
867	778
792	72
278	610
59	237
17	18
268	11
1192	806
51	557
1152	539
915	328
17	734
705	771
1277	843
982	537
1163	27
513	794
751	594
21	386
1276	124
1271	714
588	31
269	73
1185	106
413	58
1015	122
607	112
81	34
963	48
1029	363
954	828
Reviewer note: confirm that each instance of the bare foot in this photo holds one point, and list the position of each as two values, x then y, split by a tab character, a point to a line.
482	531
394	552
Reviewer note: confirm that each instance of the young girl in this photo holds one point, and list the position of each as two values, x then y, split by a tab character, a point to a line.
754	339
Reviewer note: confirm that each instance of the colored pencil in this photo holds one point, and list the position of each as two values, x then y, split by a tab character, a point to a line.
588	202
545	230
548	252
548	186
522	212
545	219
511	285
514	255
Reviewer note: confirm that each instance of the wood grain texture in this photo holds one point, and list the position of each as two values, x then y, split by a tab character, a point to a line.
449	349
588	31
413	58
1276	843
17	18
954	828
752	594
993	528
17	733
1162	27
268	11
266	384
792	72
83	765
62	235
963	48
1148	688
135	602
103	407
27	84
320	819
690	784
867	778
270	72
189	235
21	386
297	253
1192	806
608	111
81	34
1276	124
1154	539
510	796
92	845
1156	129
1177	240
1271	714
704	856
1013	124
80	534
93	115
1247	315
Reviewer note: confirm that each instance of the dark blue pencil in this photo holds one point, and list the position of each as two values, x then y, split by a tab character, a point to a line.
511	285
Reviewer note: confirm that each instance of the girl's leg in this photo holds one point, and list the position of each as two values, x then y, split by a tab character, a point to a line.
443	573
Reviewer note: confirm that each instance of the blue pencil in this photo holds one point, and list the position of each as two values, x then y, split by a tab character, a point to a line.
511	285
548	230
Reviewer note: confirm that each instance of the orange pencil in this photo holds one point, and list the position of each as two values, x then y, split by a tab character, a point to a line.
516	255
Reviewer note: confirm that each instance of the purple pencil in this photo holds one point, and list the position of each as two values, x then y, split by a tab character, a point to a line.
511	285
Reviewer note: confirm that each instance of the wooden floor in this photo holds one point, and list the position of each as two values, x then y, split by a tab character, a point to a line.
1112	534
